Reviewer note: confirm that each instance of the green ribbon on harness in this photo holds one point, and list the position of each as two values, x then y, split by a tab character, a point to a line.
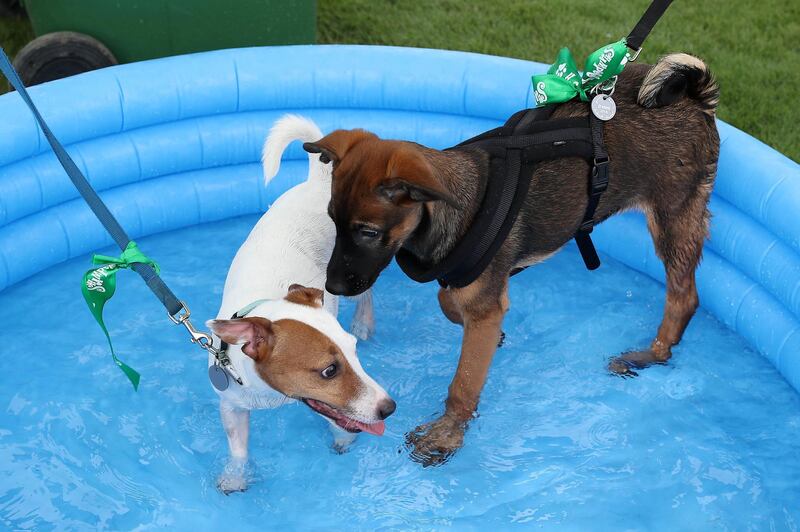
99	285
563	82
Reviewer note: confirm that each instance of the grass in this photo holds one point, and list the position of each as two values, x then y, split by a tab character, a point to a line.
752	47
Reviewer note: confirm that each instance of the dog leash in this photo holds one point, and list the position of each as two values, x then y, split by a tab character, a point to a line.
99	283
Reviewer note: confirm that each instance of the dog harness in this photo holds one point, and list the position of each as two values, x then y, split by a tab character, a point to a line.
515	148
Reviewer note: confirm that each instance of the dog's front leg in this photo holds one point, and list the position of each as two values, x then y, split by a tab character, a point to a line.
236	422
482	309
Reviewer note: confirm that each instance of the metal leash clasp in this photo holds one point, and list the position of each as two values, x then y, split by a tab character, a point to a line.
204	340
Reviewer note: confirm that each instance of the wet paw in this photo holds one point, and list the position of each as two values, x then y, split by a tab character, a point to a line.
342	444
362	330
340	448
234	477
627	364
228	484
434	443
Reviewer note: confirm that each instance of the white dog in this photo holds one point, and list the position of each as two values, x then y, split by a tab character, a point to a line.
284	339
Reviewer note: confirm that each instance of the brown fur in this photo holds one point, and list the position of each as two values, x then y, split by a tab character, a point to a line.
290	355
663	160
312	297
301	352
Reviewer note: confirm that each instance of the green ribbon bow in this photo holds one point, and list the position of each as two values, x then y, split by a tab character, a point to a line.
99	285
563	82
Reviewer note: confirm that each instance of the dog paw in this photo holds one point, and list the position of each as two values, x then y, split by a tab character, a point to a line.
233	478
627	364
362	330
342	444
340	448
341	438
228	484
434	443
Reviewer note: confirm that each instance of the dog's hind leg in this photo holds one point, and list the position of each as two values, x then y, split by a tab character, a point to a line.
363	325
236	422
678	238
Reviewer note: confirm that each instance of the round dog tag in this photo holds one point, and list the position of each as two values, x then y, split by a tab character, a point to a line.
603	107
218	377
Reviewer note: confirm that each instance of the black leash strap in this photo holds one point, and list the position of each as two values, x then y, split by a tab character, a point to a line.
646	23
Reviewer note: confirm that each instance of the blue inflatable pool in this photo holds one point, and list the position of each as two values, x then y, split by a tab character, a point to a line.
175	143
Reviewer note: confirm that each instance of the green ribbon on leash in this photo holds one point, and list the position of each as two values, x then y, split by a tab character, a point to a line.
563	82
99	285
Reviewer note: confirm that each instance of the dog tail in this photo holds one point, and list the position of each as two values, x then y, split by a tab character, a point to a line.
285	131
678	74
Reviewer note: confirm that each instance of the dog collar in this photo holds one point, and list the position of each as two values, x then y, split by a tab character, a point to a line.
514	149
217	374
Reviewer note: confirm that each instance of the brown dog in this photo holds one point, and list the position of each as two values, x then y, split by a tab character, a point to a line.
389	195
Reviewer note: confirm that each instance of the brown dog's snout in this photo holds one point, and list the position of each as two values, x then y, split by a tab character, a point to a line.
386	408
337	287
342	283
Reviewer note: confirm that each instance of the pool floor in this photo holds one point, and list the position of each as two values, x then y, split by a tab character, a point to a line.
711	441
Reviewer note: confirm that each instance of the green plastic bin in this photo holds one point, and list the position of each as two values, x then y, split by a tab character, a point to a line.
79	35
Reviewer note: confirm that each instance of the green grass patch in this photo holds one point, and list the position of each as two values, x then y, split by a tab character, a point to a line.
752	47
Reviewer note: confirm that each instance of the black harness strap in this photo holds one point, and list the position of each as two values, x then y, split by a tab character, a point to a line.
598	183
646	23
514	149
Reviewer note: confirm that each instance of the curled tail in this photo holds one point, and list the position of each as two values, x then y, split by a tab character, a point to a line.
286	130
676	75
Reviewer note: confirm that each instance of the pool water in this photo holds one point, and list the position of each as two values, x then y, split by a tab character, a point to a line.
710	441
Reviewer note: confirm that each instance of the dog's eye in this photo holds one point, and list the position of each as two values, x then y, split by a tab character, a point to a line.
329	372
366	232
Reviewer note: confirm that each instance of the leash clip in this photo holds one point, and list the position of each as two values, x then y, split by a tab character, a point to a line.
203	340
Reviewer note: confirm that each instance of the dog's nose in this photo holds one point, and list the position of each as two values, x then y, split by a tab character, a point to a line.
386	408
336	287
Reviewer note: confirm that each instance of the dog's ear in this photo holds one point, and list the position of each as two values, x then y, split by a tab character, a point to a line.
411	180
333	147
255	335
302	295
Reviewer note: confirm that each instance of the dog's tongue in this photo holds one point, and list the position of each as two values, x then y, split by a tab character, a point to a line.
373	428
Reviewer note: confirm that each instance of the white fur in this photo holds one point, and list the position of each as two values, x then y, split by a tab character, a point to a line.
291	243
285	131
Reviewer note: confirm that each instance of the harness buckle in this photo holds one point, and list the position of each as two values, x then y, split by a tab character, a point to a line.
599	175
